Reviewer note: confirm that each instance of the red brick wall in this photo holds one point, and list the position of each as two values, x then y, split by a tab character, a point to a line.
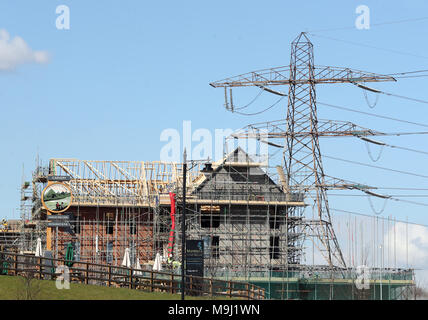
121	237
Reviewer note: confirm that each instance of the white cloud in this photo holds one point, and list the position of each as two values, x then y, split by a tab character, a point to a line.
410	244
15	52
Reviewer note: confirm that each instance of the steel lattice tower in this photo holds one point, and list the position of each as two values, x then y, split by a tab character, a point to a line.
301	130
302	154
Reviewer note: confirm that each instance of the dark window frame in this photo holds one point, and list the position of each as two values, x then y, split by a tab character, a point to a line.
110	227
274	247
215	247
210	220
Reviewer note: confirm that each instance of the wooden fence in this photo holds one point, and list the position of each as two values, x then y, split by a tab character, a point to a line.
118	276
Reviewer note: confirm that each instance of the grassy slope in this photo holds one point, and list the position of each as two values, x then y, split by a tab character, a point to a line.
11	286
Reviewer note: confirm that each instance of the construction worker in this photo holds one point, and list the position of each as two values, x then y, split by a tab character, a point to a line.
175	264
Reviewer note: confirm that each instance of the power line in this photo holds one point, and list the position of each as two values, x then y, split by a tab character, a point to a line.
388	93
259	112
251	102
407	201
371	25
397	188
377	167
403	97
371	216
390	197
416	76
395	195
370	46
411	202
390	146
406	72
398	21
373	114
409	74
407	149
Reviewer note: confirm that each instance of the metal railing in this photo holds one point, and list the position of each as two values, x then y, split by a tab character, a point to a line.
118	276
245	196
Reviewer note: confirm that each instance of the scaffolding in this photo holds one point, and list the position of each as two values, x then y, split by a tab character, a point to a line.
247	221
29	227
252	225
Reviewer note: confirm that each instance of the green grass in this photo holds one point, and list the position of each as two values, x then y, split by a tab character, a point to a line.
13	288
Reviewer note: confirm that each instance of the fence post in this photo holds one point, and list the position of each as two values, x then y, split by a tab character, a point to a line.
109	276
87	273
211	287
130	278
40	267
151	281
15	264
230	288
172	283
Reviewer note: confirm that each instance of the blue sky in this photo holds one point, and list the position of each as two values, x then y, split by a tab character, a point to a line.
126	70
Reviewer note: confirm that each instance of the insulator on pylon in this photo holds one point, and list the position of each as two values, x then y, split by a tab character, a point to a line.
367	88
226	104
231	100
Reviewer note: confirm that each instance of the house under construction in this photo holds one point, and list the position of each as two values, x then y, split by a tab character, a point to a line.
252	226
233	205
249	215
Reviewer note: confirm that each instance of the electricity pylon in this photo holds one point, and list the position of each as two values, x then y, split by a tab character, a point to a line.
302	154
